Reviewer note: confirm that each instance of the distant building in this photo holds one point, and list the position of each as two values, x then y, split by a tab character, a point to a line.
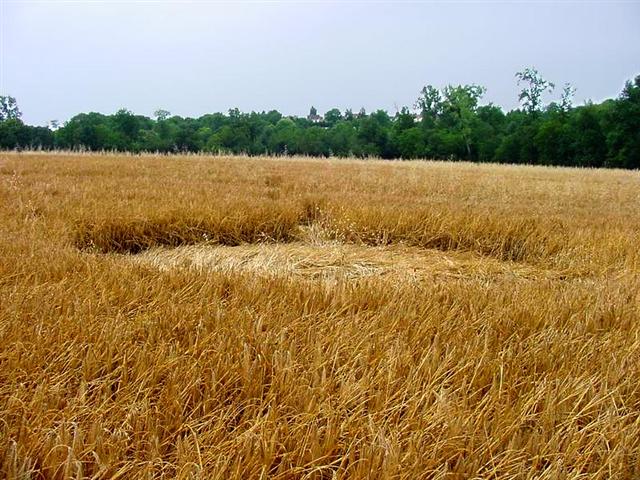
313	116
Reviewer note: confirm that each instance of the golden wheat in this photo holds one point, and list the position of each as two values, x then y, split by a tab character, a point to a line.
220	317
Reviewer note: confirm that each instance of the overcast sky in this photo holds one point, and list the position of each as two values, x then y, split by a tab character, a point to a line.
60	58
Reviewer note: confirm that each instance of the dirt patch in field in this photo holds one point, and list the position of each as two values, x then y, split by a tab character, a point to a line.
335	260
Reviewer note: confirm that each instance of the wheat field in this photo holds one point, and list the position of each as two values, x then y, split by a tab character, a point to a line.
231	317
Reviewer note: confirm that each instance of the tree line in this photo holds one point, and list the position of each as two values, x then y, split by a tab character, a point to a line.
448	123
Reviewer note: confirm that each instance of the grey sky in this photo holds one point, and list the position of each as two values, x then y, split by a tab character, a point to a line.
60	58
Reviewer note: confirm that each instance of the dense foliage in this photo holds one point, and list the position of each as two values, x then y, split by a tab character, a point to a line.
446	124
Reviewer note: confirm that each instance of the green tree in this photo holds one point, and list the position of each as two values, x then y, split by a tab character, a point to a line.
531	95
429	104
566	99
553	140
161	115
517	145
126	123
332	117
589	140
342	139
453	125
410	143
313	141
9	109
404	120
488	131
373	134
624	136
459	106
284	140
12	134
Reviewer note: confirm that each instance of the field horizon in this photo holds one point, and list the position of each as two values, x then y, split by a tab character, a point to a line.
197	316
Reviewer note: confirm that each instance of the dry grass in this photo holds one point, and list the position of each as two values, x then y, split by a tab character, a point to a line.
334	261
194	317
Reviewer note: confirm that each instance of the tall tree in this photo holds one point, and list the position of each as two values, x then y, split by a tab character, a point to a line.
429	103
531	95
161	114
624	137
459	111
566	99
9	109
332	117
